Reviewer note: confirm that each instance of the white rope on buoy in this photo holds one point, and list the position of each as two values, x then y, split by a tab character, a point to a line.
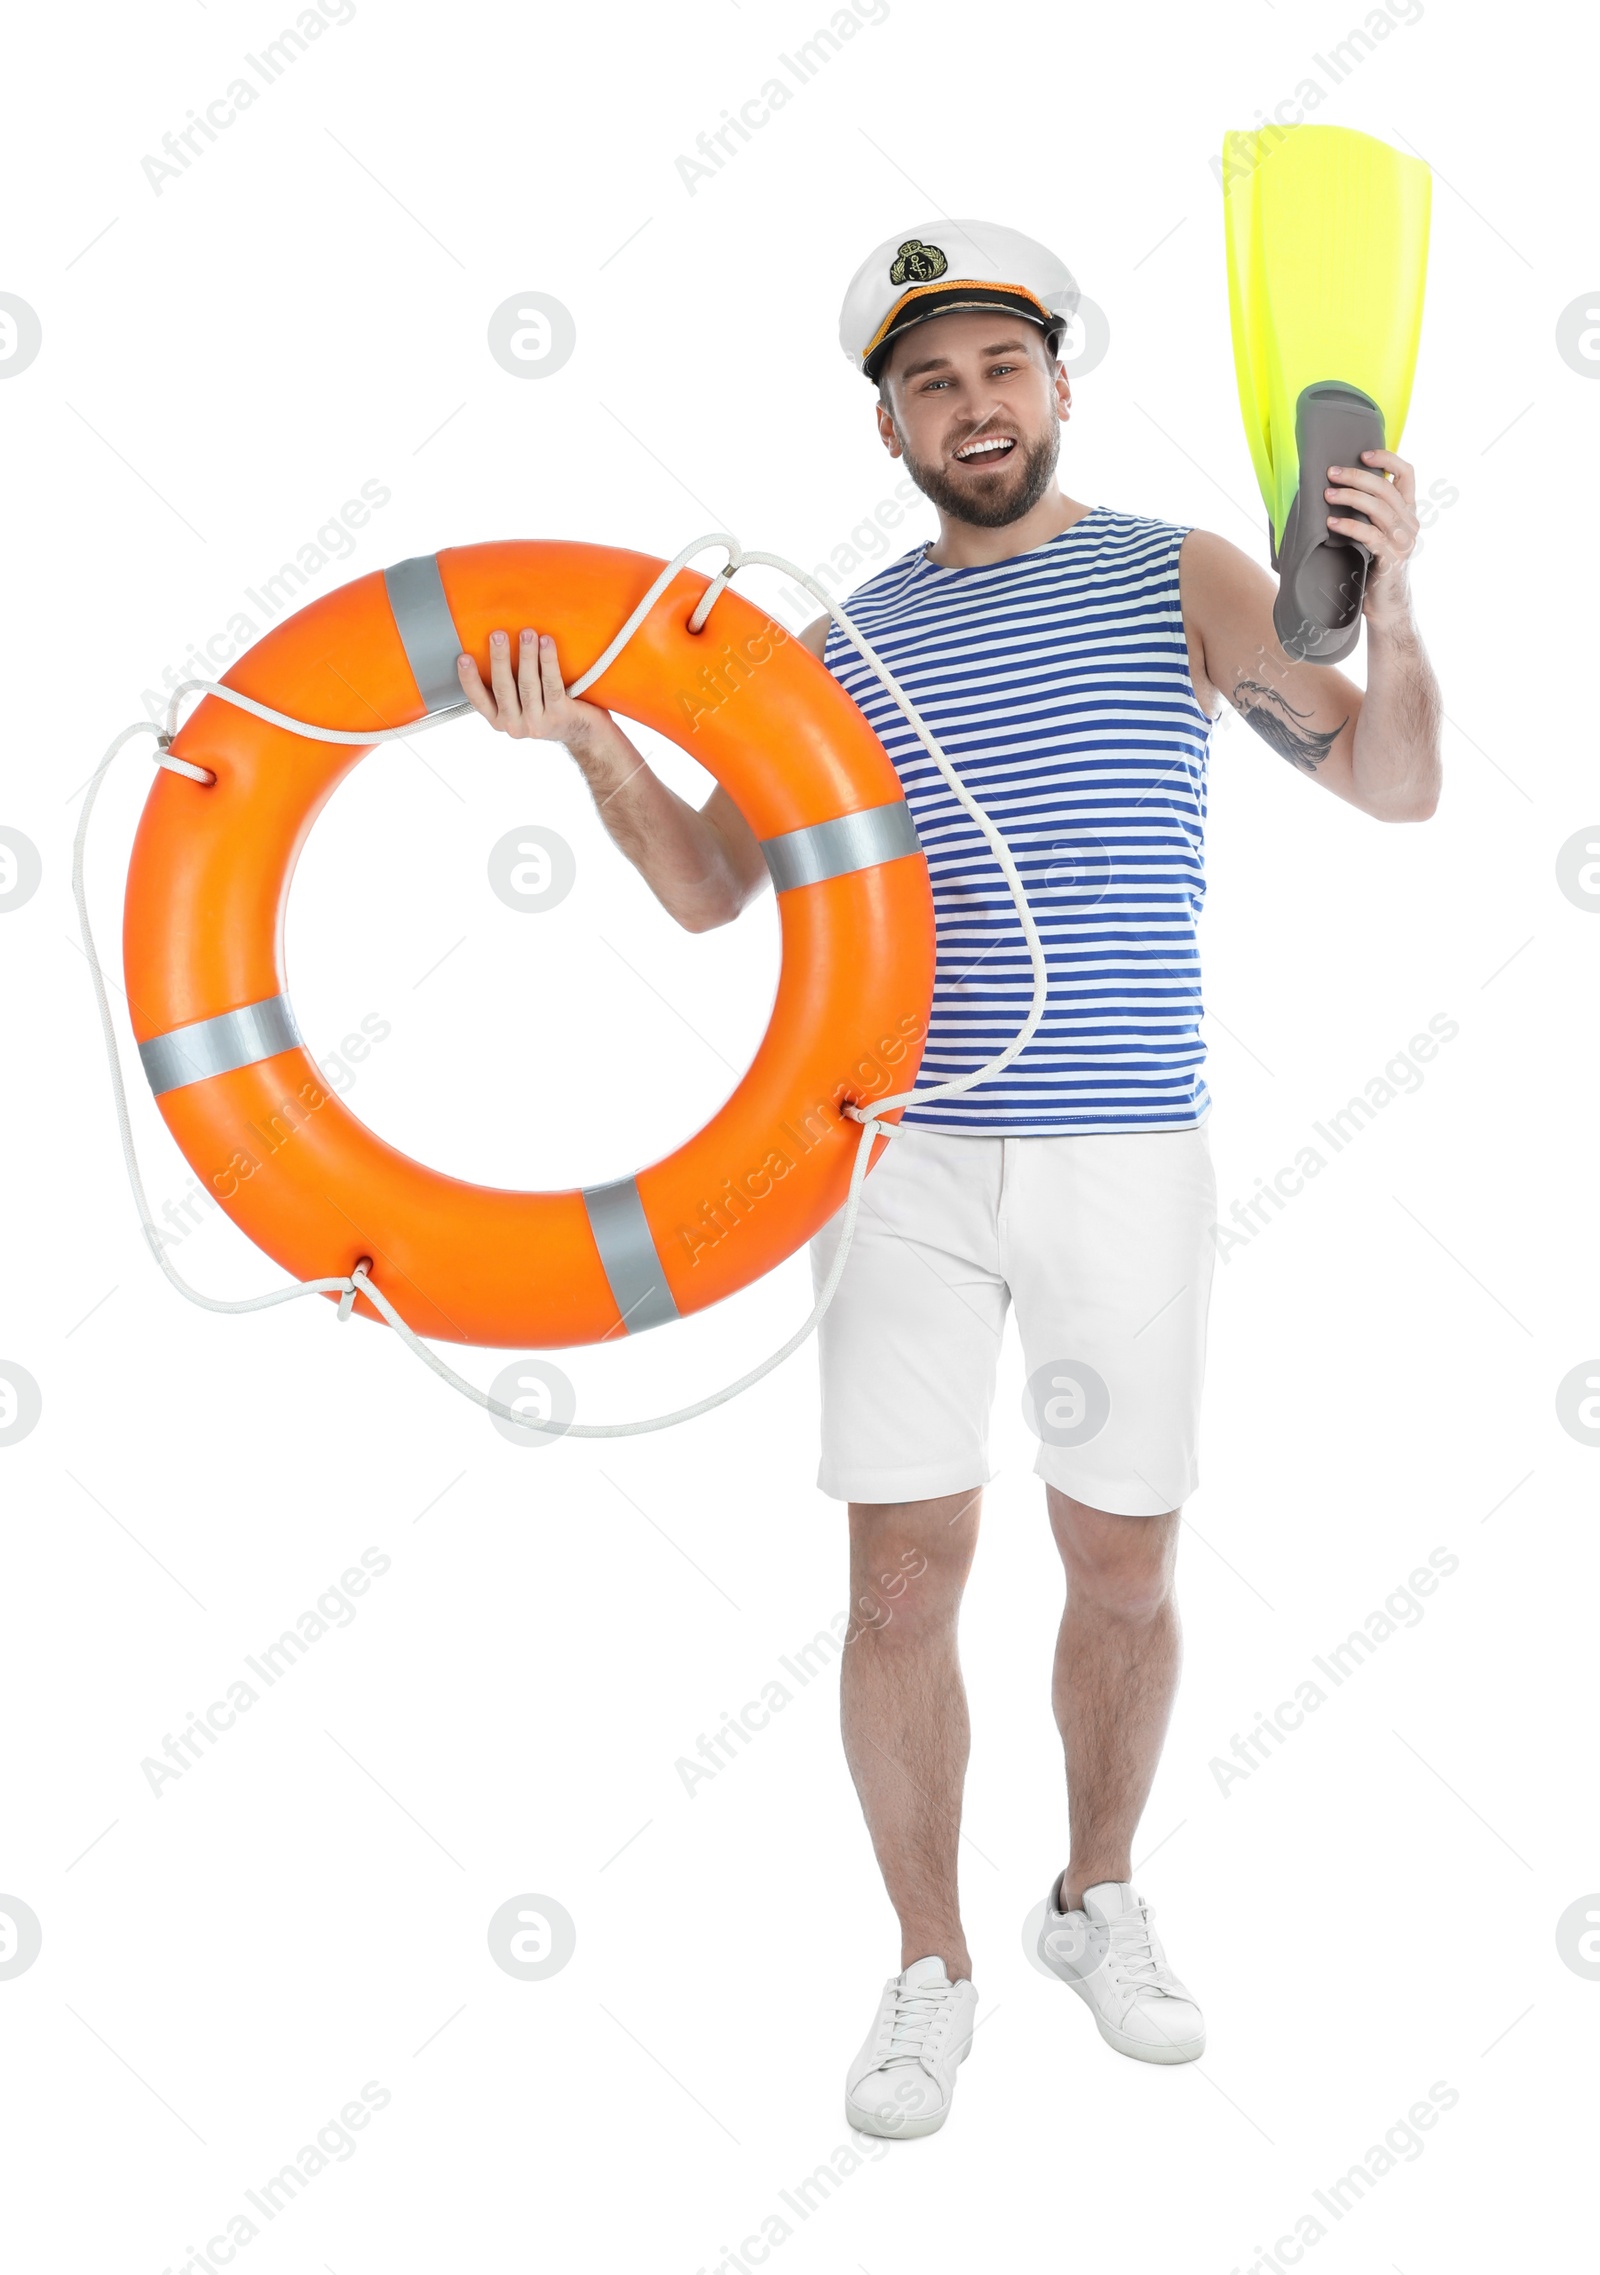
358	1282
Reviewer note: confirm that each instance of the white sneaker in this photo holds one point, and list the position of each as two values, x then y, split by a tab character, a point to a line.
1112	1957
901	2083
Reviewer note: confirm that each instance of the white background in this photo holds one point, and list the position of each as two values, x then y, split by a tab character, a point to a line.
1374	1910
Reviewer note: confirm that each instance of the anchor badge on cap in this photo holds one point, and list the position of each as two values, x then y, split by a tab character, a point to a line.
917	263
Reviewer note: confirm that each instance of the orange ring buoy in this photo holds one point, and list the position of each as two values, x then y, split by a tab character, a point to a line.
203	922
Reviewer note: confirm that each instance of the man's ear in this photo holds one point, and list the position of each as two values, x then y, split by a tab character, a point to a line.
1063	392
886	429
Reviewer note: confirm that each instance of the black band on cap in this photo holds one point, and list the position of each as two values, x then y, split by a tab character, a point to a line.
929	304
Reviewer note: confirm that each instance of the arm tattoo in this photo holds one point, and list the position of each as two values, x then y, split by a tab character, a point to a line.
1273	719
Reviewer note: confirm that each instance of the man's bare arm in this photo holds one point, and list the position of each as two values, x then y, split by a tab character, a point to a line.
703	866
1379	750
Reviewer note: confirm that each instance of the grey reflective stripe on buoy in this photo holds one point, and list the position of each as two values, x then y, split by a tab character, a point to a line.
834	849
628	1251
427	629
216	1046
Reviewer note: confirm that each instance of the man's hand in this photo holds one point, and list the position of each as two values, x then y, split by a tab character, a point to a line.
533	706
1390	531
701	865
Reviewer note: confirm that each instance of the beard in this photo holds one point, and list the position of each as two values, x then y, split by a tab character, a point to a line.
1006	495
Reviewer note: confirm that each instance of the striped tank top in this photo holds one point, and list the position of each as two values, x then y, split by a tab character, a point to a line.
1057	685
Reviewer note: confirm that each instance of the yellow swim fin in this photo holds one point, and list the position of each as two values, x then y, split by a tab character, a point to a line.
1327	240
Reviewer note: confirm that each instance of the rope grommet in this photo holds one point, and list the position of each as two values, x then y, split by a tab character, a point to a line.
347	1300
163	757
869	1120
709	598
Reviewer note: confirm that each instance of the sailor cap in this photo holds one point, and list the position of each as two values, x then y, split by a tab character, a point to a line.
943	265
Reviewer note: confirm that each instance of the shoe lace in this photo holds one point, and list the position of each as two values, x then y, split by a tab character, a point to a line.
1131	1955
915	2013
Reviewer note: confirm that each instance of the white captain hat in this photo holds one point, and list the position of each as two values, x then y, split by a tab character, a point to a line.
940	266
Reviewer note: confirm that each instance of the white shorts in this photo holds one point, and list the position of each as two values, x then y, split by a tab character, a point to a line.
1105	1243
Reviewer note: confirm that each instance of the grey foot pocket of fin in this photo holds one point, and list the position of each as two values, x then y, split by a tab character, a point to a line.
1322	576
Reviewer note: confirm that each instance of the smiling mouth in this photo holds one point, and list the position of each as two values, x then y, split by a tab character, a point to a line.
987	450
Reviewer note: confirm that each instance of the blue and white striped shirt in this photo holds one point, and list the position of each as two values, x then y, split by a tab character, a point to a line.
1057	684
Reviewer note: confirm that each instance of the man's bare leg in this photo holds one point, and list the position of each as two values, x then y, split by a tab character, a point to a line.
1116	1672
904	1710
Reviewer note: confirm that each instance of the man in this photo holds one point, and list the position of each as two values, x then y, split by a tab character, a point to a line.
1070	660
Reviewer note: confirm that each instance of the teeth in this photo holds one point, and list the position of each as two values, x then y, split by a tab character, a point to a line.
983	449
